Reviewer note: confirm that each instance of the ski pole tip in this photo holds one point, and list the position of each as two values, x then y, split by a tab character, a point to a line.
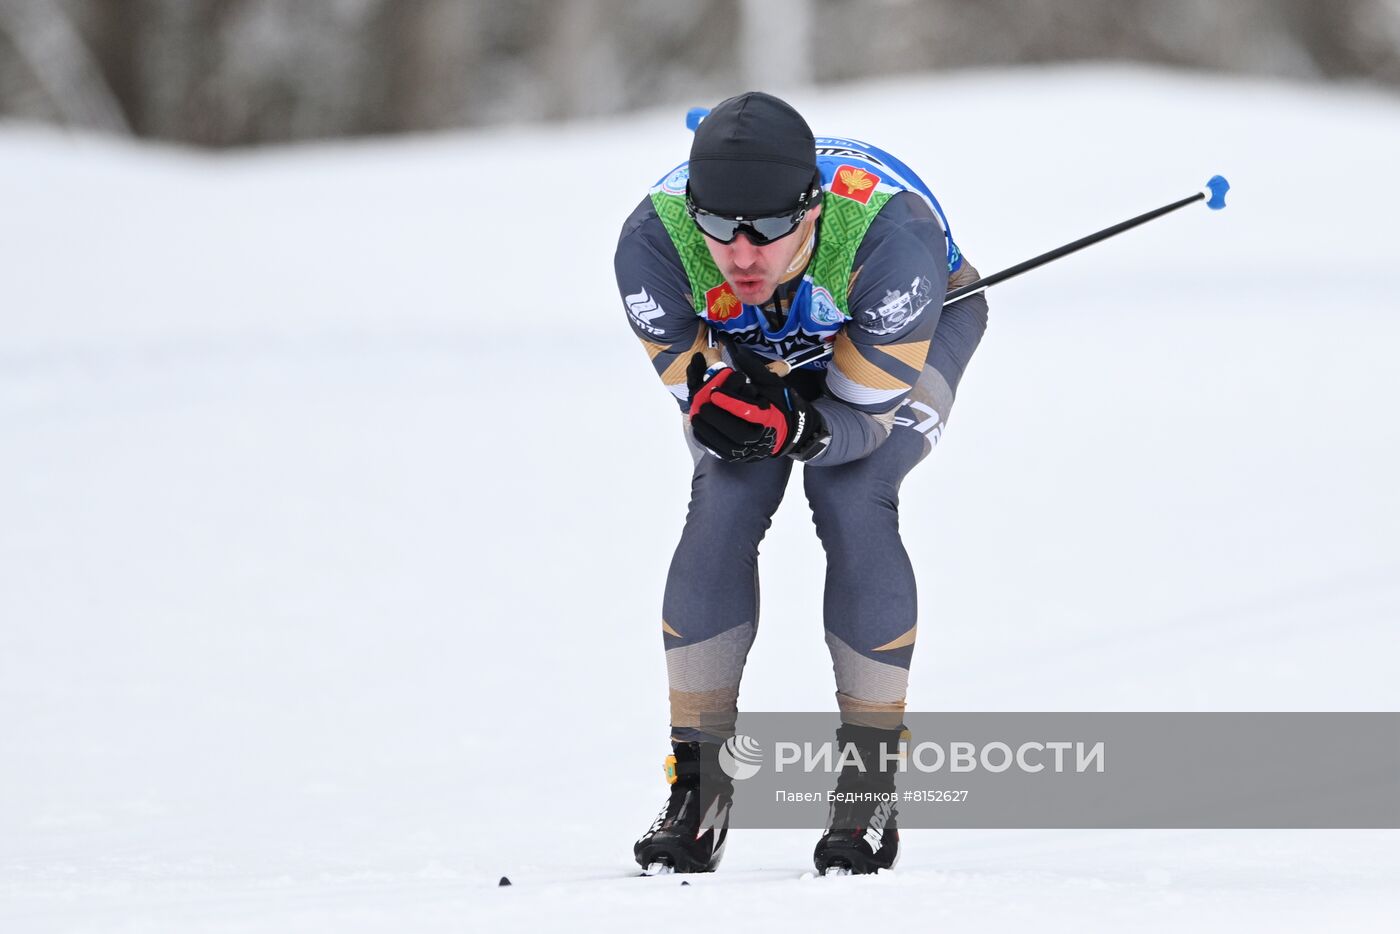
694	115
1217	187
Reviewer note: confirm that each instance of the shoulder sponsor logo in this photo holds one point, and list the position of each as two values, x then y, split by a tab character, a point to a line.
853	183
644	309
847	152
674	184
721	304
897	310
954	254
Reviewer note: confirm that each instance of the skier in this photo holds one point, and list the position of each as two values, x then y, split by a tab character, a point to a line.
765	243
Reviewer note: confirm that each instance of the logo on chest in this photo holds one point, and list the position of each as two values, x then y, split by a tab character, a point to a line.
824	310
721	304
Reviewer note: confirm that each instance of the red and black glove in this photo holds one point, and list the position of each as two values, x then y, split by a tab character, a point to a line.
749	414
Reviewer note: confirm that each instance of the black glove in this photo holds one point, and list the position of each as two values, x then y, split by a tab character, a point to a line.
749	414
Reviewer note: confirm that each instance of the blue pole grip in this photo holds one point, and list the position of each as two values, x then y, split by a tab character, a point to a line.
1217	187
694	115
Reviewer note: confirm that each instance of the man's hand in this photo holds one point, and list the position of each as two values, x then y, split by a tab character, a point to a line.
749	414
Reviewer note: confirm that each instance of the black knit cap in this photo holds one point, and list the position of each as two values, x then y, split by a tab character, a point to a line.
753	155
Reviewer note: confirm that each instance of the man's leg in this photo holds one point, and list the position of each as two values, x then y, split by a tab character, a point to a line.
710	611
871	621
870	607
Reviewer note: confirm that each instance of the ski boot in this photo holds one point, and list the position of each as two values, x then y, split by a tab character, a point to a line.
689	833
862	835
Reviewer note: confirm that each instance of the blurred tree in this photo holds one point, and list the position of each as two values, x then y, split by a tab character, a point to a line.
434	55
225	72
1349	38
74	86
777	50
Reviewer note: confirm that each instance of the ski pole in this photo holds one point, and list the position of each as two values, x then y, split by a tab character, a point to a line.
1213	194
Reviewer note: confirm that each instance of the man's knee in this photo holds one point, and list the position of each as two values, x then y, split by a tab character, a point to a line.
737	496
852	506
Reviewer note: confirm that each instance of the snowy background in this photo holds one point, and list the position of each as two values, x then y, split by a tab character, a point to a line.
305	528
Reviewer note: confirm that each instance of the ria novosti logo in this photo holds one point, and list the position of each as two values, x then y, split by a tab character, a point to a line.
741	757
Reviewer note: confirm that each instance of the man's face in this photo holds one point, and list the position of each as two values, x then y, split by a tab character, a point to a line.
753	272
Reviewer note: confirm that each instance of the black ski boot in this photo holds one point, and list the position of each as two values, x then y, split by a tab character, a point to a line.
689	833
861	833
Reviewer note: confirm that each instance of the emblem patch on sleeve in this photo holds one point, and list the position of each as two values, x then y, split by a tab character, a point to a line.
644	309
897	310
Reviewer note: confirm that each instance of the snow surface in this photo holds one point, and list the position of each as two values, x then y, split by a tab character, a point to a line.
322	606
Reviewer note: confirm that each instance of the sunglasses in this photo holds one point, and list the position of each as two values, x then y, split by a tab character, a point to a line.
761	231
